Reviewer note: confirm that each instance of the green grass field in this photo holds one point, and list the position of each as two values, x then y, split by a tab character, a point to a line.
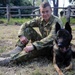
22	20
37	66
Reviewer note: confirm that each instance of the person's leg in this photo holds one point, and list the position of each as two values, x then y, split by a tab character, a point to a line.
30	34
23	57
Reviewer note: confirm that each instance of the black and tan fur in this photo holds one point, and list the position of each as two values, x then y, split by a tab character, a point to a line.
63	55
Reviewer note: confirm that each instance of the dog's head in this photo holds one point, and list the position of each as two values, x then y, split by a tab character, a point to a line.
63	36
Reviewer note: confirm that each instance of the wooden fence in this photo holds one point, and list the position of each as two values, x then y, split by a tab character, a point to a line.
8	10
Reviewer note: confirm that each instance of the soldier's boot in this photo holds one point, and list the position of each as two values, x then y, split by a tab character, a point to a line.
5	61
16	50
19	47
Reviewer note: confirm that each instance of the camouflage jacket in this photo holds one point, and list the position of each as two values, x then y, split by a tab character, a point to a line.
47	30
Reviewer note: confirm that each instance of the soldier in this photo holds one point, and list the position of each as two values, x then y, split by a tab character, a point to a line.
41	45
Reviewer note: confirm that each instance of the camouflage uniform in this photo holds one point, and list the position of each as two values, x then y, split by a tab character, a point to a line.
42	42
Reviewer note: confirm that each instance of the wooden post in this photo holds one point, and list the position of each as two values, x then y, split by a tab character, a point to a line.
34	6
33	2
68	14
19	11
55	3
8	13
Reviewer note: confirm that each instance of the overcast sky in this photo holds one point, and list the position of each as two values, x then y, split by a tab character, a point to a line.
62	3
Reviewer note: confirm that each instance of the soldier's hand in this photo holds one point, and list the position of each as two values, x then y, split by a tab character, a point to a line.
28	48
23	39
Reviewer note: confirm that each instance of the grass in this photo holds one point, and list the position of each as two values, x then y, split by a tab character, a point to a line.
72	20
22	20
8	37
73	29
19	20
15	20
39	66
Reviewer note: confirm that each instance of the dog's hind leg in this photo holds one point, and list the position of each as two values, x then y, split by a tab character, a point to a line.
73	54
69	67
73	50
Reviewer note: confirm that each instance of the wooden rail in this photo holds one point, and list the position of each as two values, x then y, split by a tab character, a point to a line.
8	10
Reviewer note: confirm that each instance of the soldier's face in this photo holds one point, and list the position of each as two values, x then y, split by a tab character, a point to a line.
45	13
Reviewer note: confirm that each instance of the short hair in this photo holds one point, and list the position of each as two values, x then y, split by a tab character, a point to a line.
45	4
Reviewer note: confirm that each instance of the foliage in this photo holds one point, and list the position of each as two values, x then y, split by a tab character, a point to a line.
71	0
15	2
21	2
72	20
3	3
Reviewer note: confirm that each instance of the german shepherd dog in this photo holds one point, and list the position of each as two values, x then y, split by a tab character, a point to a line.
63	55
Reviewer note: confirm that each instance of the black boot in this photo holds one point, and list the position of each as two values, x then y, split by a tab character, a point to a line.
5	61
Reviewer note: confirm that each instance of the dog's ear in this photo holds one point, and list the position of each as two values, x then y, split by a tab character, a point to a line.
57	27
68	27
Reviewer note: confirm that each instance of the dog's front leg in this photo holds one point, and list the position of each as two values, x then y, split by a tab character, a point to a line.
55	65
58	69
69	67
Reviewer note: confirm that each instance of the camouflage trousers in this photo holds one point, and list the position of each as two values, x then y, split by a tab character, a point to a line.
23	56
32	35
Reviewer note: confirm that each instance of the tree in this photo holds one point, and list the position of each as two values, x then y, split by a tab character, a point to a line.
55	3
71	1
21	2
3	3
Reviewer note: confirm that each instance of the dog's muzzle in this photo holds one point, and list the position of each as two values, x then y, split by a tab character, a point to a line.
63	44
